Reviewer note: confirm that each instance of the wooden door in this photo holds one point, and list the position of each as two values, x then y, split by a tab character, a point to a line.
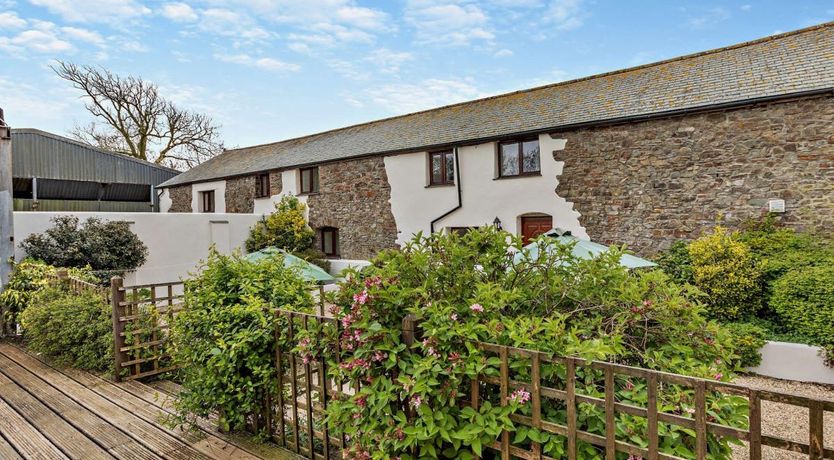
533	226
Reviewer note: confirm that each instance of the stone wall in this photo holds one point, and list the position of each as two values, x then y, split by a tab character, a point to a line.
354	197
240	195
647	184
180	198
275	184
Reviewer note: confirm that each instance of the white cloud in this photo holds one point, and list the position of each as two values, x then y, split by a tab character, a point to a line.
447	22
44	104
41	40
266	63
10	20
382	60
232	24
364	18
709	17
179	12
503	53
565	14
106	11
405	97
83	35
746	7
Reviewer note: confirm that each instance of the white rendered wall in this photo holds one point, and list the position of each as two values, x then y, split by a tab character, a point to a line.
164	201
219	188
176	241
794	361
483	197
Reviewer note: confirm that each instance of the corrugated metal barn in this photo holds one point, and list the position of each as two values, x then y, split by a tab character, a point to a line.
54	173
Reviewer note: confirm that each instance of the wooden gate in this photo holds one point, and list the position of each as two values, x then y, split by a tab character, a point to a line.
141	317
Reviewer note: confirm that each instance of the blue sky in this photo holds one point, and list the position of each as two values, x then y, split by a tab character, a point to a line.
267	70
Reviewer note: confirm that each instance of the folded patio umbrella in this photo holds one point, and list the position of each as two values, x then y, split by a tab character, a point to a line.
310	272
583	249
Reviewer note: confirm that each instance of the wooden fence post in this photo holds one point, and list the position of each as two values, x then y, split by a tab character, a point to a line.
409	329
63	277
117	296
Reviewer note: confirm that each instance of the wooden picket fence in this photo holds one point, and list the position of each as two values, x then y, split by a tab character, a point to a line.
62	277
141	317
295	420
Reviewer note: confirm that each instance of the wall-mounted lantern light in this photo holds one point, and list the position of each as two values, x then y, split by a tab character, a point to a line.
497	223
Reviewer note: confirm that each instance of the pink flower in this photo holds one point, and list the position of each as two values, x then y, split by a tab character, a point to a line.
629	385
416	401
360	298
454	316
477	308
718	376
373	281
690	410
520	396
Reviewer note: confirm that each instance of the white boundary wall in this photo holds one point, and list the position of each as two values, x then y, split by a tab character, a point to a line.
794	361
176	242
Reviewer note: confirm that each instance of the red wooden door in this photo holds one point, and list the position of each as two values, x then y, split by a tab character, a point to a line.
533	226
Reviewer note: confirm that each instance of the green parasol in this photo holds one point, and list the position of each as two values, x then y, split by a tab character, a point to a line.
310	272
583	249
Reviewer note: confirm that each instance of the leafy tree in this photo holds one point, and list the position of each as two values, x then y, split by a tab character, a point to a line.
136	120
107	247
286	228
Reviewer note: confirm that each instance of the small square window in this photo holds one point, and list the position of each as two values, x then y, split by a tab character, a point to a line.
309	180
519	158
442	166
262	186
329	241
207	201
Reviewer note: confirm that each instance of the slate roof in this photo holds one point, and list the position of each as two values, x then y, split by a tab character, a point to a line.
782	64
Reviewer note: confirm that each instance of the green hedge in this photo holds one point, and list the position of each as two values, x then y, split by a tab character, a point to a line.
804	300
73	329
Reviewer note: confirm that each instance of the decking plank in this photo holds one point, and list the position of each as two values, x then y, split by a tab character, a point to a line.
200	440
151	436
25	438
7	451
71	441
161	394
109	437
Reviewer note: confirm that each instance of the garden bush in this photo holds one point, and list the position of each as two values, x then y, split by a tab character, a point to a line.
470	288
748	339
726	270
109	248
804	299
224	338
676	262
27	278
73	329
286	228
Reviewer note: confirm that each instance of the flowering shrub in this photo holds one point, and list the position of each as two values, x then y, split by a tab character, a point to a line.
224	337
728	273
412	400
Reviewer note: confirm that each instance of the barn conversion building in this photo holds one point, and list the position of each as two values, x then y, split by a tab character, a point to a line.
641	156
54	173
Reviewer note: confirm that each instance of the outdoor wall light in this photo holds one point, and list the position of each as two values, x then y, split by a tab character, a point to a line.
497	223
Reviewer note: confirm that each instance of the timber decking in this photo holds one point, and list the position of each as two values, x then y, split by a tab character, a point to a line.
52	413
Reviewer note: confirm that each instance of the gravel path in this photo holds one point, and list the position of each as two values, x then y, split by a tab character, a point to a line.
786	421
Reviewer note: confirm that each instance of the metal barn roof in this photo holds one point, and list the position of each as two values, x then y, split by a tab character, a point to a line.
44	155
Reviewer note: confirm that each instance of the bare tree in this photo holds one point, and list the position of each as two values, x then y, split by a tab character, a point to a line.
135	120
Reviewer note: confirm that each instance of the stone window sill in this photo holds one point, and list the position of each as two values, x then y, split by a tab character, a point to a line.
519	176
